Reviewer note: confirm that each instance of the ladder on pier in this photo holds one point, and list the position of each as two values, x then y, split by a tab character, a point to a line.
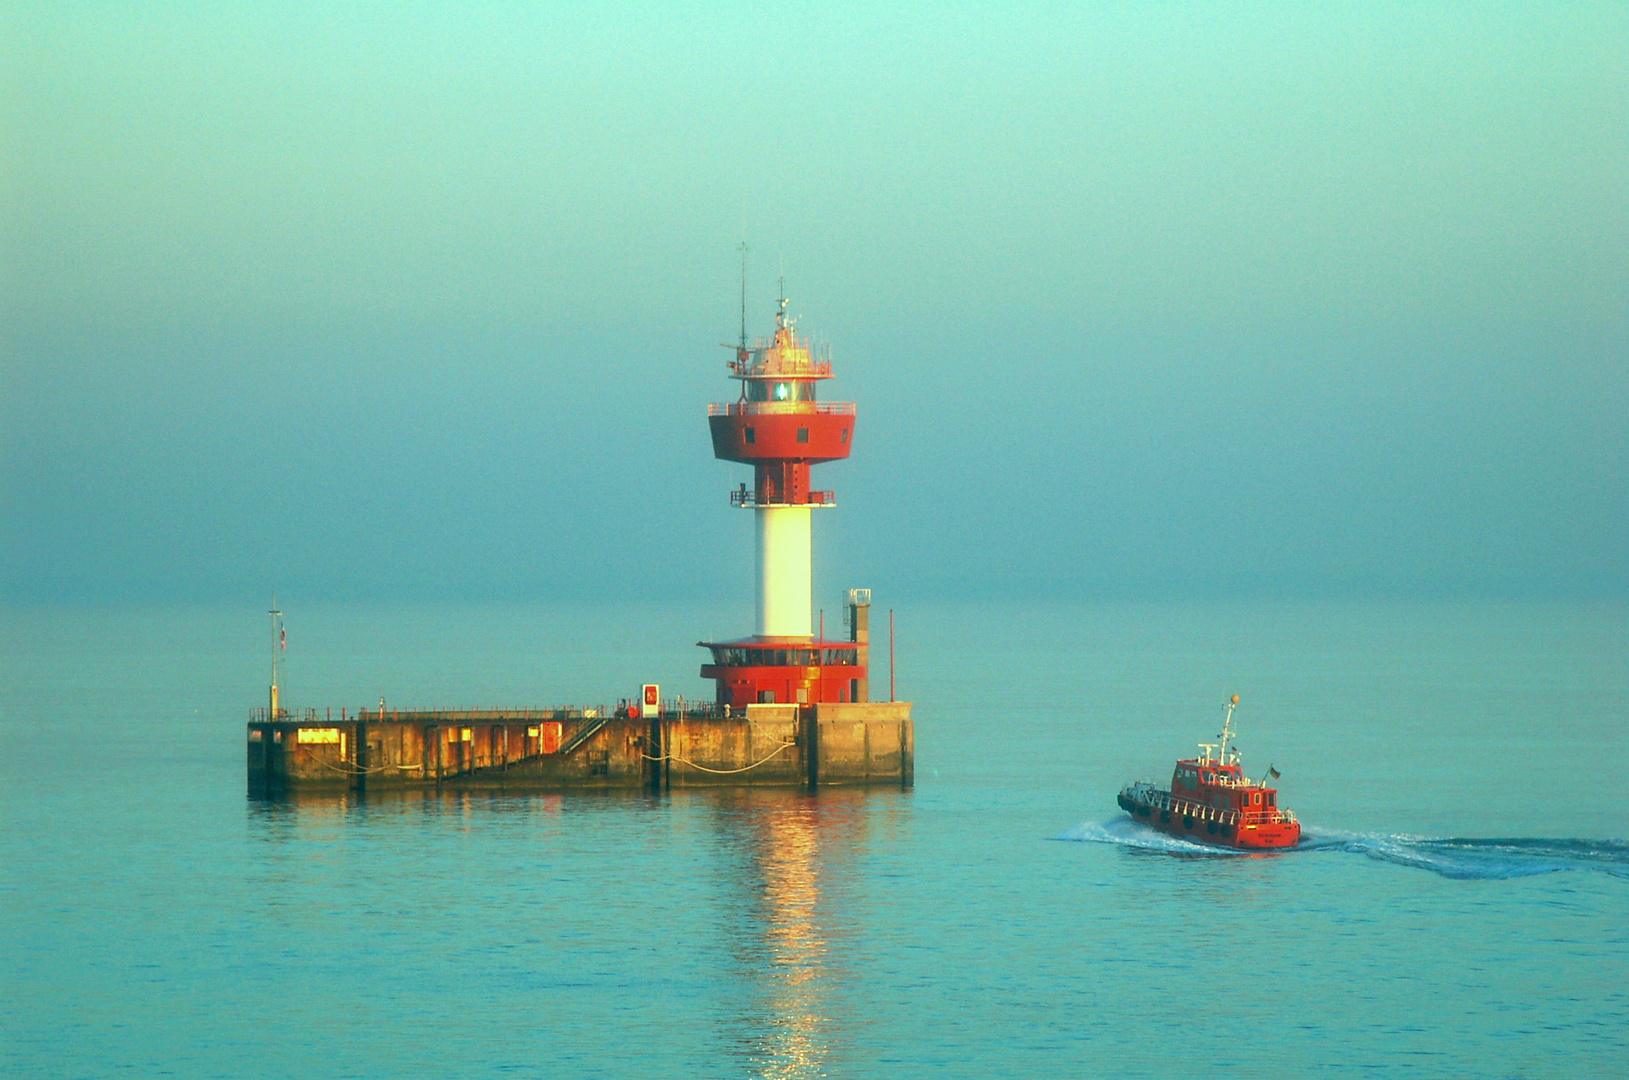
587	730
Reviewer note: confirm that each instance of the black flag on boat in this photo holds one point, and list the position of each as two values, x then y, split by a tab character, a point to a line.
1274	773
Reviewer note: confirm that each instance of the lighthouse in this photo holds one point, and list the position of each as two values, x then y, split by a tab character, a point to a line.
779	426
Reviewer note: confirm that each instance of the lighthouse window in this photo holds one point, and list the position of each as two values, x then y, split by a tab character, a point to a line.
845	435
803	434
751	434
760	390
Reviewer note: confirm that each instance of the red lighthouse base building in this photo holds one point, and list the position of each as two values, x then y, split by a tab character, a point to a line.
795	671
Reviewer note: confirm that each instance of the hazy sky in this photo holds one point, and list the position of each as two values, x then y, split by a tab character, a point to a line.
383	301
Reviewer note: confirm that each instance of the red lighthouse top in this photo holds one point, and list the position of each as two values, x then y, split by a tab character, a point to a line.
778	426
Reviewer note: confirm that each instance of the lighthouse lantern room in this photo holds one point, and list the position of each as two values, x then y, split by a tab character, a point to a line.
781	428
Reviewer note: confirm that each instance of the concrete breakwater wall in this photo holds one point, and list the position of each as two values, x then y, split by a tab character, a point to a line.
785	745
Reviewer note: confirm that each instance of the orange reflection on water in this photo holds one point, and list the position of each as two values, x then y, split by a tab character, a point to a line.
788	855
794	848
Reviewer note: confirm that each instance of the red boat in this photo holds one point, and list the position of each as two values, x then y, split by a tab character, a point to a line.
1211	800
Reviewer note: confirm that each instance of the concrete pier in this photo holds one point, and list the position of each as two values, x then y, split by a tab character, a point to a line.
541	749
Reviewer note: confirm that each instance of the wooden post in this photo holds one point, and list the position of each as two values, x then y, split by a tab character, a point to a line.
656	752
360	754
810	723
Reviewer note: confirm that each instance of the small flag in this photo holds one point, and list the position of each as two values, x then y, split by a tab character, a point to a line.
1274	773
283	639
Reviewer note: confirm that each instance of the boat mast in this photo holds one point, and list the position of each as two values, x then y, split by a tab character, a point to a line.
1227	727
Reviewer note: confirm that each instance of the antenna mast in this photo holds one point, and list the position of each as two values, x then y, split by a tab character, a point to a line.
743	345
1227	728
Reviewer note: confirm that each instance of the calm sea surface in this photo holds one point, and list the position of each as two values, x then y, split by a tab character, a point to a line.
1461	907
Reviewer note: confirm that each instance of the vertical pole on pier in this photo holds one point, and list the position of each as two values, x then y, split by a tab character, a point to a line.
276	659
890	654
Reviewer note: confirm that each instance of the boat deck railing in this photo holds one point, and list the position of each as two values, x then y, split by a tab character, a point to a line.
1165	801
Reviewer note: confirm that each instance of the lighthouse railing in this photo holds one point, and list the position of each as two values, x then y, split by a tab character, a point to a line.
815	498
780	408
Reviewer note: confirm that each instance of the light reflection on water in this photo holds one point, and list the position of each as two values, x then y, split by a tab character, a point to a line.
789	958
790	847
771	858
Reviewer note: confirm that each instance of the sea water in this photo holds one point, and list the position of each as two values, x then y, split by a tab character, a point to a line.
1460	906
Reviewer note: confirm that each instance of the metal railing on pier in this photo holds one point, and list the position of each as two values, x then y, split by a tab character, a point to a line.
676	708
291	716
564	713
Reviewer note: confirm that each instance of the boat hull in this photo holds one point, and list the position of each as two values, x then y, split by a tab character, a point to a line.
1204	826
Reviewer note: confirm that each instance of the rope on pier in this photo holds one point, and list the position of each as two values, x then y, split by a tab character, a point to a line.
351	770
784	743
719	772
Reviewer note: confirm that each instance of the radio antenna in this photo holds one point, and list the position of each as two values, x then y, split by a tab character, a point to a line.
743	345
